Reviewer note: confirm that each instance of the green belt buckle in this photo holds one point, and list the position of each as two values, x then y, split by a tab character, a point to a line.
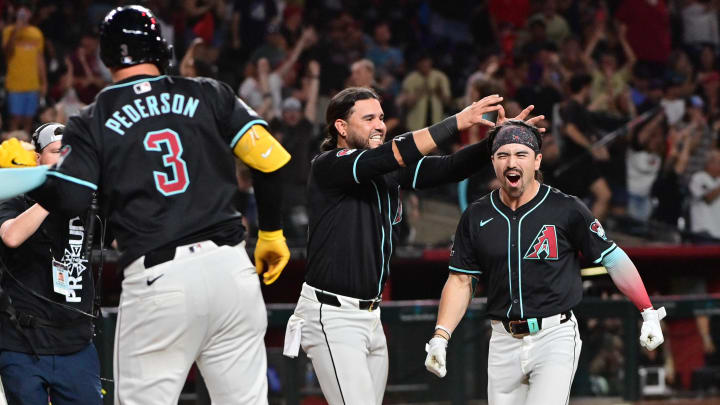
533	326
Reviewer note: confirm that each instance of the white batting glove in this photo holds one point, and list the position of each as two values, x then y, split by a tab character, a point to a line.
651	335
435	360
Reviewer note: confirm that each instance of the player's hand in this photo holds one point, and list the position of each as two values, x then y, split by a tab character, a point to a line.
13	154
473	114
271	255
651	335
435	360
501	119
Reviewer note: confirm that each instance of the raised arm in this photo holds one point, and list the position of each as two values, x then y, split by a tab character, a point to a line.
350	166
313	90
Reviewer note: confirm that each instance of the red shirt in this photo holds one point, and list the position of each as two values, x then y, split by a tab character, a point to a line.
648	29
515	12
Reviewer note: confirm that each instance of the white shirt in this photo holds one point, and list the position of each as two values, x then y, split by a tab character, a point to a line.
704	217
642	170
700	24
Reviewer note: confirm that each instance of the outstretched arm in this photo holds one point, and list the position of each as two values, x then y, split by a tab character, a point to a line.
349	166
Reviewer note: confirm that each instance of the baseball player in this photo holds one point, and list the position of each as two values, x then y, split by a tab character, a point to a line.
160	151
524	239
354	192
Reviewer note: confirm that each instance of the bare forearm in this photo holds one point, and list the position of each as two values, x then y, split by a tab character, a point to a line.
454	300
16	231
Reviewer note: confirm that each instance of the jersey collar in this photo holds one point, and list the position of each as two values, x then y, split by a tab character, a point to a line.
542	190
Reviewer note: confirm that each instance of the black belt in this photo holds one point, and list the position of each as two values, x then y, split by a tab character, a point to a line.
521	327
332	299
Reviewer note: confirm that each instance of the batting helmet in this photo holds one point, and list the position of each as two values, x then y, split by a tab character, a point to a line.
131	35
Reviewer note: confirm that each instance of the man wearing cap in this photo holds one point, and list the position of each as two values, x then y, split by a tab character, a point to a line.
524	240
46	326
297	134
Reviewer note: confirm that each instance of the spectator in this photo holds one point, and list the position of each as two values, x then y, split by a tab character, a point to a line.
487	68
704	139
295	131
250	22
578	138
363	75
86	65
644	160
292	24
648	33
26	80
700	23
610	82
556	27
387	59
425	93
705	204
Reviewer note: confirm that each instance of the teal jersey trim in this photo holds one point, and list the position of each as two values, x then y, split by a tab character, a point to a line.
244	129
508	247
417	170
465	271
355	171
462	194
73	180
603	254
391	230
147	79
382	242
522	309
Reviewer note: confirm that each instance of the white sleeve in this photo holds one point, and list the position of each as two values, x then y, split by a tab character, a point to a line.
699	184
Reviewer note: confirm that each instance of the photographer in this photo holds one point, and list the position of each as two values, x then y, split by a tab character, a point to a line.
46	333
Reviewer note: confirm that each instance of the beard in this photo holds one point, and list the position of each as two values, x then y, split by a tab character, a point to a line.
357	141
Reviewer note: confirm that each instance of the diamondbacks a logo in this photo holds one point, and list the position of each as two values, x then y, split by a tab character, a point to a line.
345	152
596	228
545	245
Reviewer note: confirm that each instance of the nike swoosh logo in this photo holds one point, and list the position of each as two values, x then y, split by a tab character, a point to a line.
267	153
483	223
151	281
17	163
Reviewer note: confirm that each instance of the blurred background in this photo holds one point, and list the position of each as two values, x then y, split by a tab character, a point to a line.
631	94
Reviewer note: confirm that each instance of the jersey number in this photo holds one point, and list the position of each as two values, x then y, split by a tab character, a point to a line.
172	159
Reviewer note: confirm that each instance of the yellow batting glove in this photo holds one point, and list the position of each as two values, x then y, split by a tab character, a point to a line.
271	254
13	155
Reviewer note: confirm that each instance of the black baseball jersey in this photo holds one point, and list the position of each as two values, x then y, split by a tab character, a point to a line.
354	204
159	150
529	257
61	239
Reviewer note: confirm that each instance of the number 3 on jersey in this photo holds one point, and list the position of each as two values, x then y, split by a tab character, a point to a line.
172	159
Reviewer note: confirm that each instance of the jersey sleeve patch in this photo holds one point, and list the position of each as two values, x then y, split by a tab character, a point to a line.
597	229
345	152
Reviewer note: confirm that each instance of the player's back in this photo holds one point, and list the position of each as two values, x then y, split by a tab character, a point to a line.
168	173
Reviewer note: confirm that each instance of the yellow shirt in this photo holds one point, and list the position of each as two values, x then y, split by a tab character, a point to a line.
425	87
23	70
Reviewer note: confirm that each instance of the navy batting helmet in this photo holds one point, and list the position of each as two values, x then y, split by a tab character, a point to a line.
131	35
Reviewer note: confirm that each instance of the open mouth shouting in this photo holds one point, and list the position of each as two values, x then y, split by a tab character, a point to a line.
513	178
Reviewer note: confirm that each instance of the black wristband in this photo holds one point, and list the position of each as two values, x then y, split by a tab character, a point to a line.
444	130
407	148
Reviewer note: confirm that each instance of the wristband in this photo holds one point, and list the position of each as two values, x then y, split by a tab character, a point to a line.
444	130
407	148
444	329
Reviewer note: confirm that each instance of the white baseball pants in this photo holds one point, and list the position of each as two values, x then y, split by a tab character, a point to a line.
347	347
537	369
203	306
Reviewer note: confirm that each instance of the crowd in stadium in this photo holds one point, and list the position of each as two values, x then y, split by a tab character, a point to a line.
630	90
589	66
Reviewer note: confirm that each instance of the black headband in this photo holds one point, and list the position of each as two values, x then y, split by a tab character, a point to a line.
515	134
